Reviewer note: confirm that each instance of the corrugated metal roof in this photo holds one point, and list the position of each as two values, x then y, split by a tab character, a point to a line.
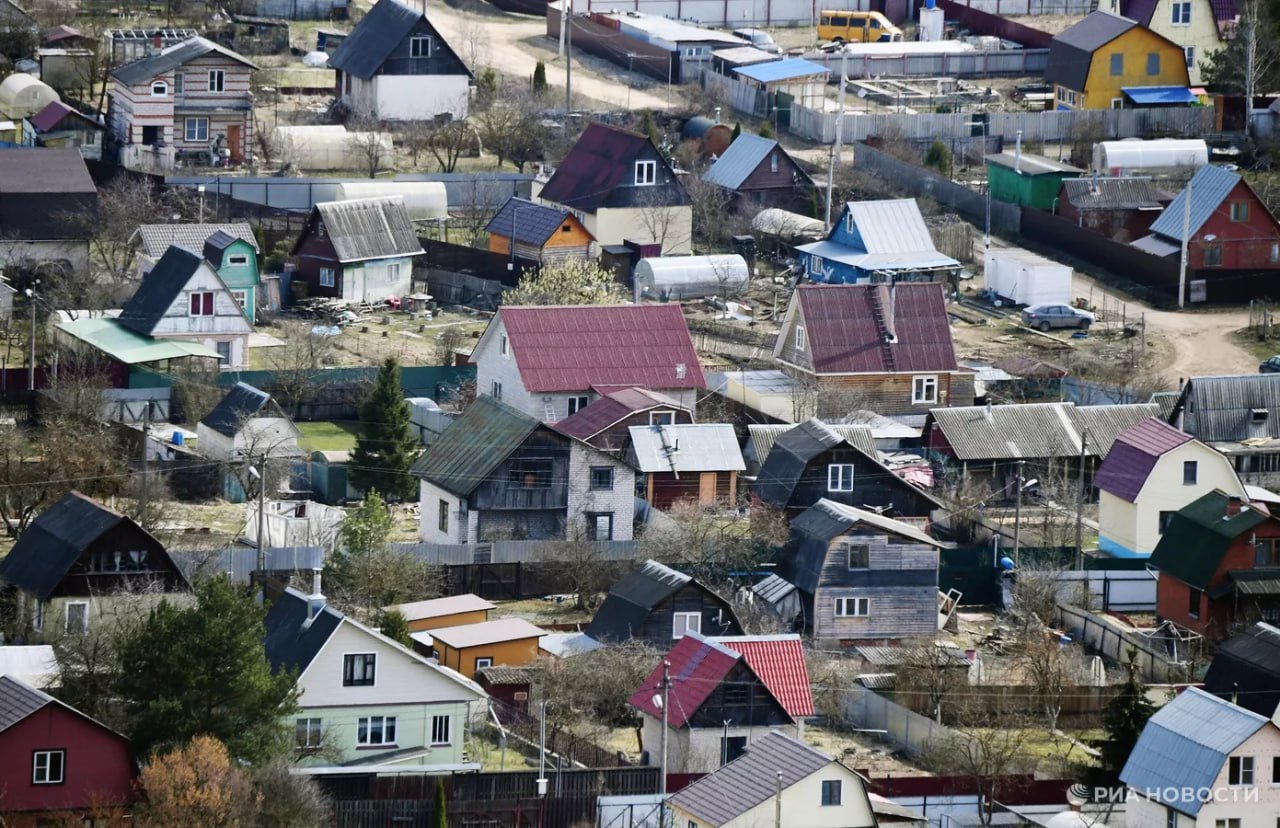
436	607
763	437
1156	246
171	58
1198	537
1034	430
1030	164
851	516
942	655
240	562
53	114
123	345
782	70
474	445
1247	666
369	228
1113	194
241	403
743	156
1159	95
599	161
1209	187
530	223
487	632
156	238
1183	747
1134	454
773	589
613	408
1071	51
891	225
18	701
1139	10
697	666
1256	582
778	661
751	779
686	448
1220	409
1224	11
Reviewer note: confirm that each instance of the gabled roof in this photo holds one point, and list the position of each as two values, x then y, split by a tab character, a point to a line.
369	228
1134	454
854	329
156	238
1185	744
25	170
160	289
764	437
1140	11
602	158
711	447
376	36
698	665
1209	187
54	541
1034	430
240	404
1071	51
438	607
1114	194
487	632
890	225
171	58
623	612
613	408
740	160
18	701
734	789
778	661
53	114
530	223
579	347
1031	164
1247	667
1221	409
1199	535
217	244
474	445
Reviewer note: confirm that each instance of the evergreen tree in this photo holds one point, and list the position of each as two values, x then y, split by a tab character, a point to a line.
539	78
1123	720
386	447
766	130
649	128
439	811
393	625
737	130
938	157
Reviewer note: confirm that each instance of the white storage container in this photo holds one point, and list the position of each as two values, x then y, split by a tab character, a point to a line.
1024	278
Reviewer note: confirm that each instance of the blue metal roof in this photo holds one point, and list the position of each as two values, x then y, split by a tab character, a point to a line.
1183	747
780	70
741	159
1209	187
1151	95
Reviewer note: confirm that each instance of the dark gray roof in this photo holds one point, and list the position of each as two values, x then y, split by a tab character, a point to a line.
26	170
1247	667
1071	52
173	57
773	589
763	437
533	223
369	228
1035	430
240	562
1113	194
1209	187
217	243
741	159
1220	409
54	541
291	642
159	289
751	779
18	701
474	445
377	35
629	602
780	472
242	402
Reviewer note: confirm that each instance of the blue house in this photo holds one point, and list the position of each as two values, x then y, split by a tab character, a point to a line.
877	241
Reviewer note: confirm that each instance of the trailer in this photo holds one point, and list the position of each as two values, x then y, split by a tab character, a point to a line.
1024	278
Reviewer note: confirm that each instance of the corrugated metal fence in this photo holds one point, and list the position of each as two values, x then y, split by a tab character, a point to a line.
508	551
1015	62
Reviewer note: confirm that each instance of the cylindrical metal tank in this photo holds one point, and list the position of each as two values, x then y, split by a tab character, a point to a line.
1118	157
676	278
425	200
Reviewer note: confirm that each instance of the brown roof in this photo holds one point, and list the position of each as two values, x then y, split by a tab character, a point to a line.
613	408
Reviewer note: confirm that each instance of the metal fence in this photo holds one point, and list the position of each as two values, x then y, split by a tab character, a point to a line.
1015	62
508	551
1159	660
908	730
1027	7
985	22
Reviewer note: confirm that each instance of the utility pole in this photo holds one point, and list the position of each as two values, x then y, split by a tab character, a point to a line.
1084	447
31	365
262	523
542	749
835	149
568	63
1017	516
564	25
777	803
666	693
146	503
1186	234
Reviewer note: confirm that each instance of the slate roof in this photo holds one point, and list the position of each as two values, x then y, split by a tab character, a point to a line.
1185	744
1199	535
1209	187
740	160
437	607
764	437
369	228
487	632
25	170
54	541
580	347
292	643
773	589
890	225
1071	51
1247	666
171	58
1134	454
156	238
474	445
535	224
778	661
159	290
601	160
1220	409
613	408
505	676
942	655
18	701
697	666
1087	194
710	447
846	335
751	779
623	612
240	404
1034	430
376	36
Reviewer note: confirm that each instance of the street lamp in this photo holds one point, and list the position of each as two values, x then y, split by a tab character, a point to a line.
986	236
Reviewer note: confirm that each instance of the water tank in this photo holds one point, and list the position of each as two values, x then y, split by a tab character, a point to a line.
425	200
932	24
1120	157
676	278
22	96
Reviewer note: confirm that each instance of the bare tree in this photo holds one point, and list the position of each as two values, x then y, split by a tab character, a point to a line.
714	219
986	751
1051	670
416	138
931	670
708	545
664	221
447	143
583	566
588	692
300	362
369	146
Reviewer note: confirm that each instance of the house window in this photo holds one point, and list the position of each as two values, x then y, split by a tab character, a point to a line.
47	767
800	338
1239	211
1240	770
440	725
529	474
1275	771
773	163
178	83
683	622
201	303
307	734
815	265
601	478
858	555
664	418
578	403
420	47
1275	251
1117	103
1117	65
1190	52
393	272
600	526
358	669
1181	14
1266	553
1165	519
1193	602
1153	63
224	352
1189	472
159	89
1226	823
852	607
217	80
326	277
924	390
197	129
495	390
830	792
482	663
1171	818
77	618
376	730
238	260
241	297
442	519
1213	255
731	748
840	477
646	173
503	347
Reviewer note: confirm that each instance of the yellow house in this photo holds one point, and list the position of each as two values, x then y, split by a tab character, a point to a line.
1093	64
1199	27
453	611
512	642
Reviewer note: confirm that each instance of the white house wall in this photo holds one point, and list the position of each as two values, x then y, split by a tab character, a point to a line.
618	501
420	97
430	497
697	749
613	225
802	805
371	281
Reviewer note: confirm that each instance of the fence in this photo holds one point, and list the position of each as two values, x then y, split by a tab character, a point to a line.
1161	660
742	96
1080	706
985	22
337	391
461	275
518	581
1013	62
508	551
910	731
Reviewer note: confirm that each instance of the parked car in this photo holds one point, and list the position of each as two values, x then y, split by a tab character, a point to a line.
760	39
1271	366
1045	317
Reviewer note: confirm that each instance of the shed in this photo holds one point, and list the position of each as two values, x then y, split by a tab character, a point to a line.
679	278
658	604
23	95
1026	278
699	462
451	611
1027	179
425	200
511	642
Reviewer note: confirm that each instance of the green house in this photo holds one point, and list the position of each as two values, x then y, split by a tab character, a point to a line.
236	261
1026	179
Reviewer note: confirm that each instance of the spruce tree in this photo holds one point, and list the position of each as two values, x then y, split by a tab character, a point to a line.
1125	717
539	78
386	447
439	809
737	130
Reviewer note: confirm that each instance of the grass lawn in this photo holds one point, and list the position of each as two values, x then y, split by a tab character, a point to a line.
1247	338
327	436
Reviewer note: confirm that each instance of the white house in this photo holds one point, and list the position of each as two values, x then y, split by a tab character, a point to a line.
395	66
365	701
1203	761
247	422
1152	471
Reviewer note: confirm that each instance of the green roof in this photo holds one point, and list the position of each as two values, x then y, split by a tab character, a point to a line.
474	445
124	345
1198	537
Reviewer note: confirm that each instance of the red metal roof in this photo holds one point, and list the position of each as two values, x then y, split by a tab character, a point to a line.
847	331
612	408
597	164
576	348
778	660
1133	456
697	668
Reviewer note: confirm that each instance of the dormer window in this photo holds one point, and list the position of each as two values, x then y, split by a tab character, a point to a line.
646	173
159	89
420	47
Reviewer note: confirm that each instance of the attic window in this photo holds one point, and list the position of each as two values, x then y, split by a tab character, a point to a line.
566	229
159	89
773	163
646	173
1258	415
420	47
238	260
202	303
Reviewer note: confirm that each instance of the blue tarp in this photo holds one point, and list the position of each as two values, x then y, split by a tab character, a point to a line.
780	70
1155	95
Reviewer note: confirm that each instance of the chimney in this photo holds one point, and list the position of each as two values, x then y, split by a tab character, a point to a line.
1017	153
1233	507
157	43
315	601
988	408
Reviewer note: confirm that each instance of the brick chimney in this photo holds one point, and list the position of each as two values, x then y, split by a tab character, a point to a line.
1233	507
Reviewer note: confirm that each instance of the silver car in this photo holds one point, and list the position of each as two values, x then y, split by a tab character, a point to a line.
1045	317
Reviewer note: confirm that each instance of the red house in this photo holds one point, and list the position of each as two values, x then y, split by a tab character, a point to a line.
1219	564
56	761
1122	209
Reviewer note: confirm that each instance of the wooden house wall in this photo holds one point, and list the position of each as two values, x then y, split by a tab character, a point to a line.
900	583
617	436
82	579
314	252
789	353
1245	244
873	485
716	617
495	493
890	393
741	700
442	60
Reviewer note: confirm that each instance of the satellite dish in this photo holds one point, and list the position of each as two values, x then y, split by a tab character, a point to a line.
657	700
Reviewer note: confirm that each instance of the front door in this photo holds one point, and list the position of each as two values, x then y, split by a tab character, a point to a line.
233	143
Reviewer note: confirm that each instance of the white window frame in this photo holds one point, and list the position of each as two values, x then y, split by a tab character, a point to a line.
448	720
663	416
192	135
241	297
1240	768
816	264
852	607
577	402
217	80
483	662
42	772
308	723
924	389
368	731
678	630
163	88
646	173
393	272
801	339
66	617
1180	14
840	477
495	390
327	275
200	312
415	52
1189	52
354	681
